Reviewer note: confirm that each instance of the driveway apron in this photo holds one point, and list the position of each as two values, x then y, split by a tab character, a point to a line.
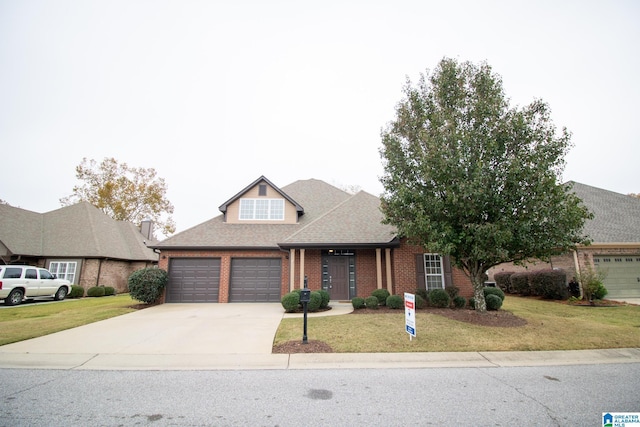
168	329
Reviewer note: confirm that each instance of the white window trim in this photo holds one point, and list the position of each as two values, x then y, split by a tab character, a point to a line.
427	275
253	211
66	275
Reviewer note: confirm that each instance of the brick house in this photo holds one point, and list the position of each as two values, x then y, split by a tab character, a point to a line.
78	243
268	239
615	247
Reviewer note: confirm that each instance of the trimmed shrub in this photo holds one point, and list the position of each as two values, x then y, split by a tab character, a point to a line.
503	280
490	290
290	302
459	301
382	295
420	302
357	303
549	284
395	302
423	293
493	302
325	298
147	284
76	292
472	303
96	291
108	291
371	302
439	298
520	284
453	291
315	300
599	292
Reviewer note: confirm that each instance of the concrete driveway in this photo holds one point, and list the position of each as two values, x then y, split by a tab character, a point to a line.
166	331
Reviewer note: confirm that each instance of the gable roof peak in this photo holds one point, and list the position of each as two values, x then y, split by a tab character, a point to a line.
223	207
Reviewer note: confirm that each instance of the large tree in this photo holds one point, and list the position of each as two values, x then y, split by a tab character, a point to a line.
124	193
469	176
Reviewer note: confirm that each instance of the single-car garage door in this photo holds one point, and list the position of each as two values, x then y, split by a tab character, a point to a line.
622	275
255	280
193	280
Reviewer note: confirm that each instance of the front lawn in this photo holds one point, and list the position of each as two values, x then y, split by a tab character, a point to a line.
550	326
35	320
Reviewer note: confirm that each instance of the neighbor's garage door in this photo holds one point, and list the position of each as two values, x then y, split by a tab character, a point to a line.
255	280
622	278
193	280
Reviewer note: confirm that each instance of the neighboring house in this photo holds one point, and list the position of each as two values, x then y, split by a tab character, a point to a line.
267	240
78	243
615	247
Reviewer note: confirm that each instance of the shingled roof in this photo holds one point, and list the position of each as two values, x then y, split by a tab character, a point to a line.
332	218
616	216
78	231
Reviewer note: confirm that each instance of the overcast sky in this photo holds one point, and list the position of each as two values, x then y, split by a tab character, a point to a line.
215	94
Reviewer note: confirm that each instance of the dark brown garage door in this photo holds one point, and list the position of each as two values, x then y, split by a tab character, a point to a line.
255	280
193	280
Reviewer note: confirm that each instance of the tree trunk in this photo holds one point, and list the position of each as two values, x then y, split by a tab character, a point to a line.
478	292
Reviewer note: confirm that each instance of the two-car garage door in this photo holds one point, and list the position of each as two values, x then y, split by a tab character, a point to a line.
198	280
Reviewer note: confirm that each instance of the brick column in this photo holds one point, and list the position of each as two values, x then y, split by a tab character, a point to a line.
225	278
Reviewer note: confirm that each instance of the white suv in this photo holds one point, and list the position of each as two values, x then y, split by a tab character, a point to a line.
19	282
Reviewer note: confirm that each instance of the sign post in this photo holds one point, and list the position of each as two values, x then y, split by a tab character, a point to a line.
410	314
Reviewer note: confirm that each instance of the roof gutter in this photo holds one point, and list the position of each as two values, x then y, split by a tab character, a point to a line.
395	243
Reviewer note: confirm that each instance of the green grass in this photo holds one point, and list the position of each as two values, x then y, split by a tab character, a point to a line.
550	326
31	321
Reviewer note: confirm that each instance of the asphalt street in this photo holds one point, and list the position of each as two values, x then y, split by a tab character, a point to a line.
575	395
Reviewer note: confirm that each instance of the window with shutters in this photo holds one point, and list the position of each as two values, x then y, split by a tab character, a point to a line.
433	271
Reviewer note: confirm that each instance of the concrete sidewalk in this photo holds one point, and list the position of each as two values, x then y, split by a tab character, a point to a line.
239	336
197	362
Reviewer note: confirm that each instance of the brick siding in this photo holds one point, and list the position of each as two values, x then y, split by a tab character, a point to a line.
402	260
405	271
113	273
225	265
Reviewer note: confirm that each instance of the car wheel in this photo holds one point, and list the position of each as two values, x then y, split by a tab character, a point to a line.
61	294
14	297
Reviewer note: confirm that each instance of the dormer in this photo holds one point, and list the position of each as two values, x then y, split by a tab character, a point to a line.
261	202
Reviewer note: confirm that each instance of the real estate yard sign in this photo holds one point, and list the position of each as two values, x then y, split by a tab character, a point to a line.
410	314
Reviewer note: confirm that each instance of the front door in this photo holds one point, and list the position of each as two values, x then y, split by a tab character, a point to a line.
338	277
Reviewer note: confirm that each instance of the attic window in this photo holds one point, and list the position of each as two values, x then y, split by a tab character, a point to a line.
262	190
262	209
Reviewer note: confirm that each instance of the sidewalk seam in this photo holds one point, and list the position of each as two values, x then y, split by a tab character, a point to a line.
488	360
85	362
